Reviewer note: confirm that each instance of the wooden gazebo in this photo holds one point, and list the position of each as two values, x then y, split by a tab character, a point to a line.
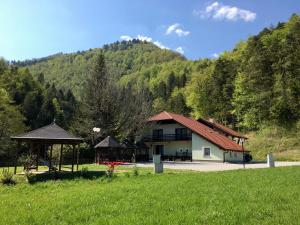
41	139
108	150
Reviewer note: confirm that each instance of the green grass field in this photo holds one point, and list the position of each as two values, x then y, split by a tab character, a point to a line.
259	196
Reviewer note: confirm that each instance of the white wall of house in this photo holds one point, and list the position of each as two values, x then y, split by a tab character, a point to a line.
170	148
198	145
232	156
167	128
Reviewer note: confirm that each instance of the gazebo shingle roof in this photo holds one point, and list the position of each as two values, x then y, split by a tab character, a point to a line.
108	142
49	132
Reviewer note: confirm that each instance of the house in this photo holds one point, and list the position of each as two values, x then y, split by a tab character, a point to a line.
220	128
175	136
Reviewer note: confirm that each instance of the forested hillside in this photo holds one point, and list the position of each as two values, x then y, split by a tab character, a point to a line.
70	70
255	86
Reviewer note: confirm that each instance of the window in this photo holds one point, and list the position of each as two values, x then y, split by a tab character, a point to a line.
230	154
158	134
206	151
182	133
235	155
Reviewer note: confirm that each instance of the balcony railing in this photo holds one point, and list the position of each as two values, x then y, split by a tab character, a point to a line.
166	137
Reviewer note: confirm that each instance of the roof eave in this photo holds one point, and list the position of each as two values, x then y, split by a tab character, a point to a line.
43	138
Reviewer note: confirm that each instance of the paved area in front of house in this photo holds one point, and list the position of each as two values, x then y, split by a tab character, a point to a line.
215	166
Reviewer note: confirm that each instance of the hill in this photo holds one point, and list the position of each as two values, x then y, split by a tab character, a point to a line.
69	70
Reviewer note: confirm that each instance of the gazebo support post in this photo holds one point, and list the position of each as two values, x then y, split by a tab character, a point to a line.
50	160
73	158
38	146
77	161
60	157
16	157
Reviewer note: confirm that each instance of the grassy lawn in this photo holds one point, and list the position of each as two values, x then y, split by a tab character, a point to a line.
260	196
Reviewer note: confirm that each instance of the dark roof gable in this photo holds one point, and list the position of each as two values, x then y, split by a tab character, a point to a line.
49	132
108	142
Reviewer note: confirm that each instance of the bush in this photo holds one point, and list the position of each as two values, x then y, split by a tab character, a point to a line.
28	161
135	171
30	177
7	178
248	157
109	173
85	172
126	174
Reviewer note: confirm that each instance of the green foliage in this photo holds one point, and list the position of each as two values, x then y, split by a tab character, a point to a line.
135	171
28	161
11	122
118	111
7	178
85	172
283	142
126	174
68	70
268	86
30	177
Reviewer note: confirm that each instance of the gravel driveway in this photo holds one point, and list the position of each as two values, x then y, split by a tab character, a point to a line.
215	166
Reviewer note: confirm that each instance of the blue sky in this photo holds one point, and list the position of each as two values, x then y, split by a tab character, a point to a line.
198	29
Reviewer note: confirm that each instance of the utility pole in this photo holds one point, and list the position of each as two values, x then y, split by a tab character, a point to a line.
242	140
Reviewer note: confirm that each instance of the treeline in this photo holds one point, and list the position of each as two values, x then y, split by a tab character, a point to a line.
27	103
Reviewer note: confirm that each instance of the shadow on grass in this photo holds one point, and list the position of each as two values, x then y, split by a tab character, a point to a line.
89	175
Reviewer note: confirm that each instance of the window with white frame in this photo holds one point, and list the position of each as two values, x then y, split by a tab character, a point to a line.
206	151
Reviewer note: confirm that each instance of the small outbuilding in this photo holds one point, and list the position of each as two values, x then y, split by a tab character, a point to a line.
108	150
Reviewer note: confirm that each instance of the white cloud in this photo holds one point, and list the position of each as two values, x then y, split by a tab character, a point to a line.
143	38
174	28
180	50
219	11
160	45
126	38
215	55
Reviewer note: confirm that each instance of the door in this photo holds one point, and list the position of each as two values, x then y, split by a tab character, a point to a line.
159	150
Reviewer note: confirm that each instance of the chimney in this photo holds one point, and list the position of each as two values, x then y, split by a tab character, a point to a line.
211	120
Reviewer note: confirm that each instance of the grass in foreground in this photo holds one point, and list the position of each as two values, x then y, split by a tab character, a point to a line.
260	196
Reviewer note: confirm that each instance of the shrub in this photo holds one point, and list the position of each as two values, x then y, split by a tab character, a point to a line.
135	171
28	161
85	172
111	168
109	173
7	178
248	157
126	174
30	177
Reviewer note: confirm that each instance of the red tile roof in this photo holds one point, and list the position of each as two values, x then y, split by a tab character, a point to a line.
200	129
222	128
